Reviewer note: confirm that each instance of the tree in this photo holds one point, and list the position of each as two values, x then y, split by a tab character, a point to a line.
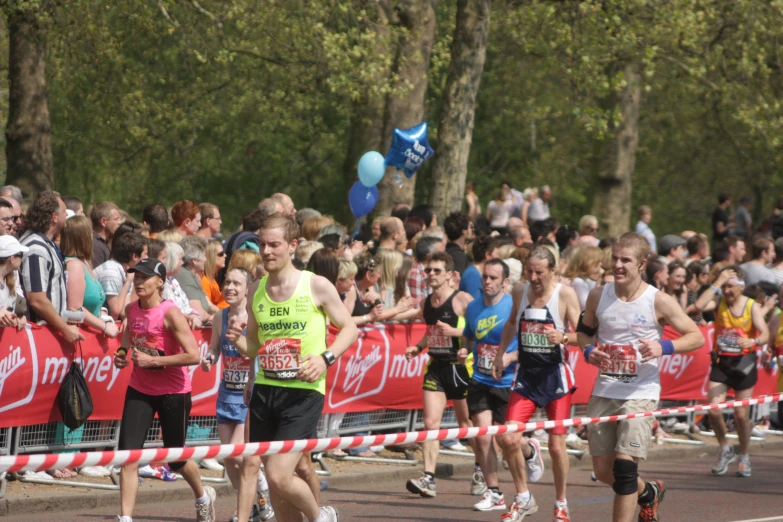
455	129
28	131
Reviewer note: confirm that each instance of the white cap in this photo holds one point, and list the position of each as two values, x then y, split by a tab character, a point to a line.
69	213
10	246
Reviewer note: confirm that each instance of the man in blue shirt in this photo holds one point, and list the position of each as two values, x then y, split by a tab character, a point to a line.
484	248
488	397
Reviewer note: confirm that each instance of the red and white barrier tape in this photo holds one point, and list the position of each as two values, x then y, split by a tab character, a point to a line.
16	463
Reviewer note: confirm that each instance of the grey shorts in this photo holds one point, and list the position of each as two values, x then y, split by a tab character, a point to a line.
629	437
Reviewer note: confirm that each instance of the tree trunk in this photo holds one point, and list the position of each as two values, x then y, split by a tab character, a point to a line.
366	132
28	133
412	63
612	200
455	130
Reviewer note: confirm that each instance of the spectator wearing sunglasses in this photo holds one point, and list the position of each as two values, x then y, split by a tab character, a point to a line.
18	216
215	261
7	218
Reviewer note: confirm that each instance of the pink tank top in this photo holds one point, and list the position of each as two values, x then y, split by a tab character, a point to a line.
148	334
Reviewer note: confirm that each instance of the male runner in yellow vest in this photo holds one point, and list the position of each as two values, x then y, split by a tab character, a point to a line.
286	332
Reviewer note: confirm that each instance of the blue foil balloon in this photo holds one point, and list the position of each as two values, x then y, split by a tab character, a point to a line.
371	168
409	149
362	199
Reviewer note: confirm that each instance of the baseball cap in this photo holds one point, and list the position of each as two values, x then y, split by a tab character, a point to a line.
10	246
150	267
670	241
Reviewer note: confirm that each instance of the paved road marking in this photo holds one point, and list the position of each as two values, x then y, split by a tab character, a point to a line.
769	519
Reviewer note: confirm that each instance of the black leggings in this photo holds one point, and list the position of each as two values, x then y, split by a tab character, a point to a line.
139	411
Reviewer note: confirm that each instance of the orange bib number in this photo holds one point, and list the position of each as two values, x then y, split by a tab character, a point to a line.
279	359
622	364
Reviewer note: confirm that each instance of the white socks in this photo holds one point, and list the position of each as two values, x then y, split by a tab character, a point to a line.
523	497
124	519
203	500
561	503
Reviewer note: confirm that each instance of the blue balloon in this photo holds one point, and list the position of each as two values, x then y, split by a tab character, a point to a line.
409	149
362	199
371	168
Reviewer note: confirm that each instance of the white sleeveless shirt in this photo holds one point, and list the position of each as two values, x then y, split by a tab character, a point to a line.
621	325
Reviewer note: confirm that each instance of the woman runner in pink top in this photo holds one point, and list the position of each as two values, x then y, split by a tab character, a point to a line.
162	347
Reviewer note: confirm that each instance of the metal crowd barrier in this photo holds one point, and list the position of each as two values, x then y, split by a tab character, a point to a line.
54	437
5	449
372	422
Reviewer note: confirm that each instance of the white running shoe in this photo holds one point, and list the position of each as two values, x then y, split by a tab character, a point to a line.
424	486
743	469
330	513
535	464
456	446
211	464
491	502
519	511
725	457
95	471
205	512
37	475
478	485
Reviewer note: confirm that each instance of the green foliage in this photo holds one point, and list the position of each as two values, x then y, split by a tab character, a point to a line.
231	100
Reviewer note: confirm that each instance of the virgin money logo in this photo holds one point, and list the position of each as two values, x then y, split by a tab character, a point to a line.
361	373
18	368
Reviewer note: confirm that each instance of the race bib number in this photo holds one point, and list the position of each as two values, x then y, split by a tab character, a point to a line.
532	337
149	349
437	343
622	364
486	357
235	372
728	341
279	359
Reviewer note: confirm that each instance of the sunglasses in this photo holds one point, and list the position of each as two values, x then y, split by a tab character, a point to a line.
436	271
19	255
11	218
220	254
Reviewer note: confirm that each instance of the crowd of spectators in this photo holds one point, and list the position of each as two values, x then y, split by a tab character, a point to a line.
68	267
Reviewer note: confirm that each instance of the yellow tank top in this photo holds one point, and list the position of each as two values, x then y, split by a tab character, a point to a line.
779	352
729	328
287	332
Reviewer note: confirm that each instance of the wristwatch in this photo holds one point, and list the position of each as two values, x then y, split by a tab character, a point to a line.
329	358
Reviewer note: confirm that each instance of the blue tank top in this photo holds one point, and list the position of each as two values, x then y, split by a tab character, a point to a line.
236	367
484	325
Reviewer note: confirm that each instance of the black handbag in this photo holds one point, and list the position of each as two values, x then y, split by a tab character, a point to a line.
74	399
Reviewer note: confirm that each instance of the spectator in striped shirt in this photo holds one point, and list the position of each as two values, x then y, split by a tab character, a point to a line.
42	271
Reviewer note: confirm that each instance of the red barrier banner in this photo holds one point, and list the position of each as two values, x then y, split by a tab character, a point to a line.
34	361
372	374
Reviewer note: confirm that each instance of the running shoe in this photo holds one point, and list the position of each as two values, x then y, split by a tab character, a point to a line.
743	469
491	502
535	464
520	511
205	512
264	508
211	464
478	486
561	514
424	486
648	512
726	457
331	514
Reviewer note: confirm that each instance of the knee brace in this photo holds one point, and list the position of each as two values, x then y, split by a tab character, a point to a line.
626	475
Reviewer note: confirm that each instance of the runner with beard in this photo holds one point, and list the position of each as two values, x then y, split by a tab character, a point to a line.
543	310
620	332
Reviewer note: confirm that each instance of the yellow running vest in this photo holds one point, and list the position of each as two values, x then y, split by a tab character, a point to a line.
287	332
730	328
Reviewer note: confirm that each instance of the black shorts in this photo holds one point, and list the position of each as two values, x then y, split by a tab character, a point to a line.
139	411
278	413
725	371
482	398
451	379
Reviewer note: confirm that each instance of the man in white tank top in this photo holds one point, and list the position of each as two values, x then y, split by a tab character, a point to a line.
541	310
620	332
